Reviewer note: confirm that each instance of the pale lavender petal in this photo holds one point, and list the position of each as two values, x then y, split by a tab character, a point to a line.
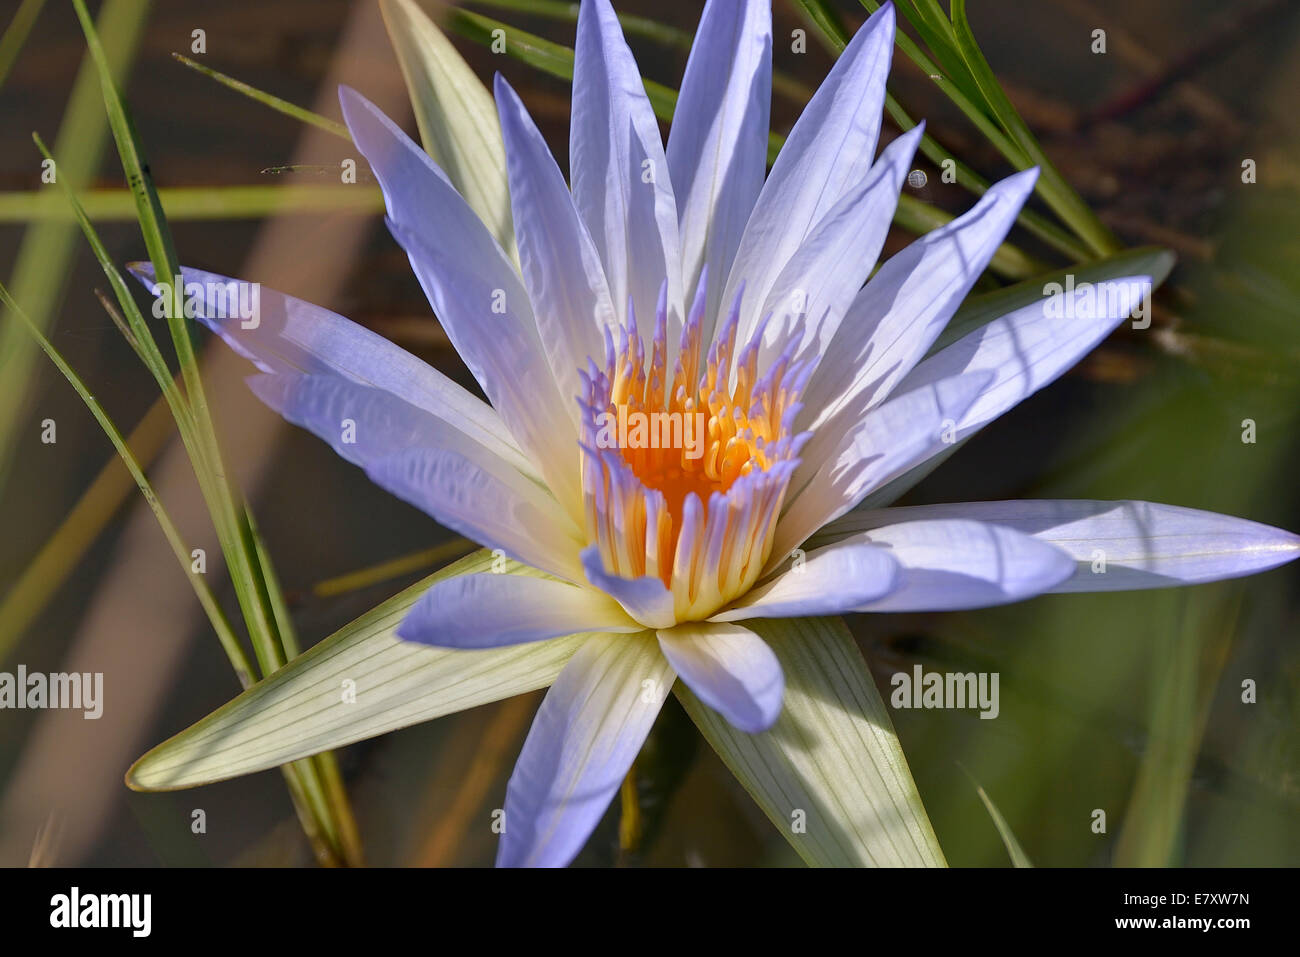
1021	352
717	146
827	154
474	291
488	611
1029	348
1116	546
826	581
284	334
887	442
561	266
730	669
826	273
587	732
906	305
619	175
427	464
646	598
953	564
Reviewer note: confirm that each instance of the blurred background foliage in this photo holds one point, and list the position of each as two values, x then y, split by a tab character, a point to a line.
1130	702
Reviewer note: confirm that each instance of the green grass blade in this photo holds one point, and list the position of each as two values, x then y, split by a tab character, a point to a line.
153	223
1052	186
320	775
195	203
267	99
275	596
136	329
1191	659
836	37
251	587
1038	225
633	25
935	30
969	105
47	250
393	568
221	498
1014	851
828	20
15	35
229	641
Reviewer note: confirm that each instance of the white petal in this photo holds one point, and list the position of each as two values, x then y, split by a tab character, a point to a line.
475	292
907	304
1021	352
561	266
646	598
717	147
827	153
587	732
825	275
951	564
730	669
376	430
1029	348
490	610
523	523
1116	546
887	442
828	581
289	335
619	176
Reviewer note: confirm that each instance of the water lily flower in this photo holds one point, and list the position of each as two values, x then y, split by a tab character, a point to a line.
683	281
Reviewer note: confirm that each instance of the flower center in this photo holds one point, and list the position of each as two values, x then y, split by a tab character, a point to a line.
684	477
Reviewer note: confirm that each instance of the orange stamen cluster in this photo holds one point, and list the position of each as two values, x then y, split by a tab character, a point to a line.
692	497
